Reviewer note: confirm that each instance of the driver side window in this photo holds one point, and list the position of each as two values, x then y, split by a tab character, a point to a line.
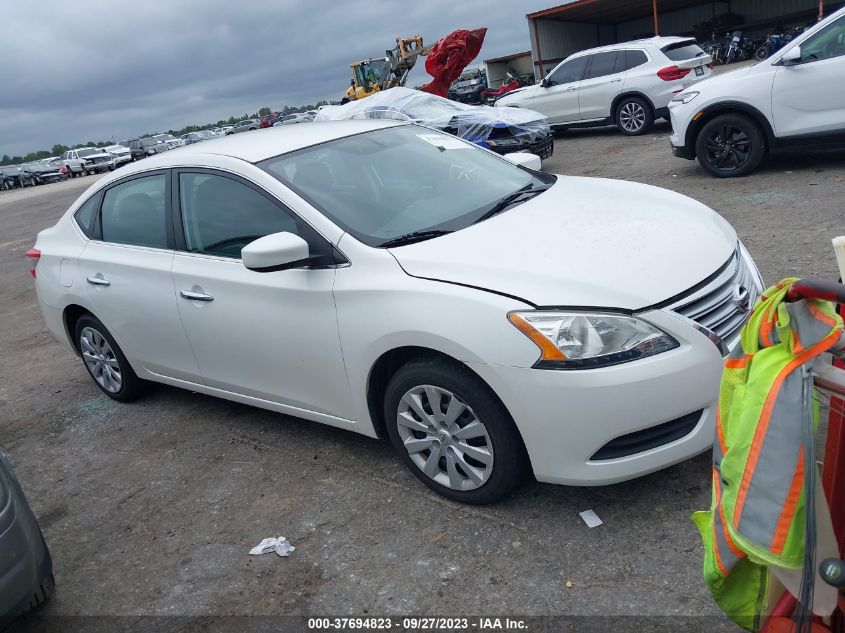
570	71
221	215
826	44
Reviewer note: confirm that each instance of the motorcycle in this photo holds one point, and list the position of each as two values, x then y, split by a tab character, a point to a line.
511	83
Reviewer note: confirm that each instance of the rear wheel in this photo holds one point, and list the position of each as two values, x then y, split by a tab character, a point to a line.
105	361
730	145
634	116
452	432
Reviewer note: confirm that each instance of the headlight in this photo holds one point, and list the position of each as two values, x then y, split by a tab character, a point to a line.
578	340
685	97
503	142
150	152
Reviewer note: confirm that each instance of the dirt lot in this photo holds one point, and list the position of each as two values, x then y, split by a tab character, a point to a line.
151	508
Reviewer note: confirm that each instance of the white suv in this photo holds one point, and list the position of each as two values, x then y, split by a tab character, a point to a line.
793	99
629	84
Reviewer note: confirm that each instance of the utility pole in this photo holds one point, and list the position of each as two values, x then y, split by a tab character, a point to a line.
656	21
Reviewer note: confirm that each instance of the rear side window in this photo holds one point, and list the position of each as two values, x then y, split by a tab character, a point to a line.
602	64
85	216
626	60
683	51
134	213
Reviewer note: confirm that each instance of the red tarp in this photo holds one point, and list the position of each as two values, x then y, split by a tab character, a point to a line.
449	56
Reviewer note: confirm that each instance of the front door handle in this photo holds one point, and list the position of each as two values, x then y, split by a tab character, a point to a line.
613	81
190	295
98	281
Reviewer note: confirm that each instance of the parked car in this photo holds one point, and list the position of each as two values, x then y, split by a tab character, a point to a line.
503	130
388	279
794	99
14	177
44	172
469	87
200	135
246	125
86	160
121	154
629	85
225	129
26	568
168	139
142	147
294	117
267	120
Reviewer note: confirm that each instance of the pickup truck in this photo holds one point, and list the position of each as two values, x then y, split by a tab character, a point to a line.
87	160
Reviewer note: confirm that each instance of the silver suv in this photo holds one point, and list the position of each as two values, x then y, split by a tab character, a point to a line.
629	85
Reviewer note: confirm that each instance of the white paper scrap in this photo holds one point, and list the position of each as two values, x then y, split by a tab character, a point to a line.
280	545
444	142
591	518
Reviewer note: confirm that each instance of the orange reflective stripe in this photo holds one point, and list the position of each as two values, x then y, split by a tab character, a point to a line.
719	563
766	331
717	485
720	434
766	414
790	506
737	363
821	316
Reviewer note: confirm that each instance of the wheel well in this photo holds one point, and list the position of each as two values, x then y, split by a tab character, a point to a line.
728	108
70	316
625	95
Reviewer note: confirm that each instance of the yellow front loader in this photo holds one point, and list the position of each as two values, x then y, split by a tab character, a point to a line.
380	73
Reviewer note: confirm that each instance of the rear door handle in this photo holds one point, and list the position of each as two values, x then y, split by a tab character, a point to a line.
98	281
190	295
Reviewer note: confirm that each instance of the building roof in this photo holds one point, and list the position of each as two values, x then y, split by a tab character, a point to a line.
507	58
610	11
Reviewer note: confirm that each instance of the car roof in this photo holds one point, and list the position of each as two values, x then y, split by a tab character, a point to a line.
261	144
656	42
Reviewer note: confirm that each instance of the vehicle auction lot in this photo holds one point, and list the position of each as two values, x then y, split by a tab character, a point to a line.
152	507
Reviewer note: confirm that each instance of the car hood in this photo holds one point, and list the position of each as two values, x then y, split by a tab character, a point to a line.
716	81
97	155
524	91
584	242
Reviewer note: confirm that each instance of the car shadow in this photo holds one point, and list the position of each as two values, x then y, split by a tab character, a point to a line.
660	127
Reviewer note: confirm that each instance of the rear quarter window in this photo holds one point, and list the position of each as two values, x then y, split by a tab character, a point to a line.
682	51
85	215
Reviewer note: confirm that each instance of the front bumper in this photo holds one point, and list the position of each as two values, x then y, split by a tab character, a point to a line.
566	417
679	117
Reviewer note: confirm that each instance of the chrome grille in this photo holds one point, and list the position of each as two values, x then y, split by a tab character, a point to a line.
720	305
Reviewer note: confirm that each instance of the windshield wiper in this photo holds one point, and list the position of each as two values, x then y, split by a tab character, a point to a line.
411	238
510	199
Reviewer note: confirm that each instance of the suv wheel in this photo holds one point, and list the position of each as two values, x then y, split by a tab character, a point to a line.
634	116
730	145
451	431
105	361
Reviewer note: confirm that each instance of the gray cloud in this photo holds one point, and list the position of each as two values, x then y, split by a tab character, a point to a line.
92	70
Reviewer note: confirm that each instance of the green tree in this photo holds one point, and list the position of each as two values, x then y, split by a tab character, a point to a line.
59	149
264	111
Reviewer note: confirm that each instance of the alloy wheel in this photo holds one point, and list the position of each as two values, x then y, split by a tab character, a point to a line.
727	148
632	116
444	438
100	360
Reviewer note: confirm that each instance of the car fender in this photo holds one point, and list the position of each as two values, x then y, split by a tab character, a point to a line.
723	107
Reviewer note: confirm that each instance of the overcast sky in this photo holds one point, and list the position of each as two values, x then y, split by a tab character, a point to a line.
97	69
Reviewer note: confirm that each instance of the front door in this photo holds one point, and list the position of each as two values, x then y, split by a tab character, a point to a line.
601	85
807	98
127	271
270	335
557	98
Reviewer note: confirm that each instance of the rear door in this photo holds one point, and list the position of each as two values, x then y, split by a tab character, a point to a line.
600	86
557	98
808	97
128	280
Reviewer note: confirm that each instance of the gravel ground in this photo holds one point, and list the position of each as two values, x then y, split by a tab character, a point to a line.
151	508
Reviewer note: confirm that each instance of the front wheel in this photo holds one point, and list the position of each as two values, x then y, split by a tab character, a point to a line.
105	361
452	432
634	116
730	145
762	53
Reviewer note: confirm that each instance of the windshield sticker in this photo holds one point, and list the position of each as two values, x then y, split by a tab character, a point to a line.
444	142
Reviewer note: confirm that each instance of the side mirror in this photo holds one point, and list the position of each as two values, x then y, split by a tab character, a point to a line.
792	57
544	82
277	251
524	159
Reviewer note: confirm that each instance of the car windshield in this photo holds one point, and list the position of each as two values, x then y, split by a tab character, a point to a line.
82	153
401	181
146	142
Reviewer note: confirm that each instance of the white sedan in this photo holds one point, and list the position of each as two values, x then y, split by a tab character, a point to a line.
395	281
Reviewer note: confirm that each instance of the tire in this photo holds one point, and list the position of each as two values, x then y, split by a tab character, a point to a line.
634	116
762	53
93	338
739	155
458	474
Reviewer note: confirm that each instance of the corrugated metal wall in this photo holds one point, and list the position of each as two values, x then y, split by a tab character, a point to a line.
672	23
560	39
757	10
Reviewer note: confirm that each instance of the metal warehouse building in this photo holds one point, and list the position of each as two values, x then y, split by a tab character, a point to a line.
560	31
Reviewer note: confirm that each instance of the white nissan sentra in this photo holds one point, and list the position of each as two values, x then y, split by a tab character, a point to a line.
394	281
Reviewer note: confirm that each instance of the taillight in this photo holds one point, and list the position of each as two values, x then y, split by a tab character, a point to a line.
672	73
34	254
